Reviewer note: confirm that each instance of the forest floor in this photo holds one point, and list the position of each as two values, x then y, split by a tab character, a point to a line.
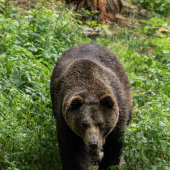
122	163
30	45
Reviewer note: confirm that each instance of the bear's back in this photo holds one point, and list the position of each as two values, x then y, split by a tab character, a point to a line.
63	75
97	54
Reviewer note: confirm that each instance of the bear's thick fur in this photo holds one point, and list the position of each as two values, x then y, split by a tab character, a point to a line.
91	101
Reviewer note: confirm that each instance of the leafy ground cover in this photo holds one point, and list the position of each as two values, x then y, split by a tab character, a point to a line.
146	58
159	6
30	44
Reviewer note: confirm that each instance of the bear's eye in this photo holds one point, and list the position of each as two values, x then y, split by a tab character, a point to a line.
107	101
85	125
99	125
76	102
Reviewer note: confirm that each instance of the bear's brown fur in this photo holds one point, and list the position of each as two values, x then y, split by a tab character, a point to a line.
91	102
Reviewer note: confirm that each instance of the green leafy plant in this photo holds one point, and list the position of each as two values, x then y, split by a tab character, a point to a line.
114	167
153	26
159	6
147	142
30	45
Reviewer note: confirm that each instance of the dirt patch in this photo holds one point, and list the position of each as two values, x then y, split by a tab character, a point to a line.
122	163
94	168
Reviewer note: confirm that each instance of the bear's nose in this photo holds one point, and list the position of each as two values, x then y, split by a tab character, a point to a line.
93	145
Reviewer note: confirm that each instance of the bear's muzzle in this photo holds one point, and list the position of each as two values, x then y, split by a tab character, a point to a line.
93	138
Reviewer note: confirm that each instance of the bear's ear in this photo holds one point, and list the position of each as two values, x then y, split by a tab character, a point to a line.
76	102
107	101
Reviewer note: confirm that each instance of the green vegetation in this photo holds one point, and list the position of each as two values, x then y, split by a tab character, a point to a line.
29	47
159	6
31	41
156	26
148	137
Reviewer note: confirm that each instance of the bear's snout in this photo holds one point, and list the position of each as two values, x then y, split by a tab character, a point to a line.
93	139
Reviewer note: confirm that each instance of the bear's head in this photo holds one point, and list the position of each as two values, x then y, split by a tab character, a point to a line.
91	117
89	106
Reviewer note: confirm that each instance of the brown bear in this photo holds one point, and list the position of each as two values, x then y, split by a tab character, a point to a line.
91	101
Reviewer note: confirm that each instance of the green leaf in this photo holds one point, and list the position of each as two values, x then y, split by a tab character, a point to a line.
149	62
138	135
154	147
154	167
156	51
161	132
152	133
32	49
125	168
158	57
114	167
136	83
162	124
167	168
153	19
163	144
80	22
144	21
105	26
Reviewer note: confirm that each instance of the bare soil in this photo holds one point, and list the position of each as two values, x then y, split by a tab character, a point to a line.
122	163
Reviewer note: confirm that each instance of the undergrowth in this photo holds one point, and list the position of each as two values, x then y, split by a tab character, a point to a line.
158	6
30	43
147	62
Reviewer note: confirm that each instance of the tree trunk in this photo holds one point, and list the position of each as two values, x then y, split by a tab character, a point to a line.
109	10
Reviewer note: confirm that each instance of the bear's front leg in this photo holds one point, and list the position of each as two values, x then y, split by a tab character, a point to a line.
73	153
73	160
112	152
